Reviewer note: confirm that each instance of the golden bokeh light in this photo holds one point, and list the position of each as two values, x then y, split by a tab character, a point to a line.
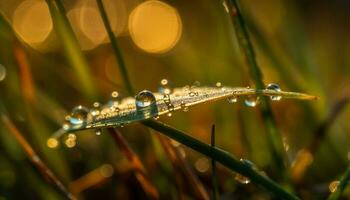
52	142
155	26
32	21
87	23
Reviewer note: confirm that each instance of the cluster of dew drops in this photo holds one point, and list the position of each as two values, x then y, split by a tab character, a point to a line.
143	99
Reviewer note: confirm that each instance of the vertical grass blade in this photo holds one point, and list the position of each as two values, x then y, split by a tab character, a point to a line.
116	50
34	158
71	47
275	139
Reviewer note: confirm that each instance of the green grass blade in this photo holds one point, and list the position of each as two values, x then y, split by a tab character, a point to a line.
71	47
275	139
341	187
220	156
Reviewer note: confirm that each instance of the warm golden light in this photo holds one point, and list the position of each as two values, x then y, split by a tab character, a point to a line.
32	21
52	143
155	26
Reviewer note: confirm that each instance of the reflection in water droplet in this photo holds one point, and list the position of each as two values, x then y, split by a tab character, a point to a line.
251	101
98	132
52	142
275	87
333	186
2	72
169	114
242	179
218	84
232	99
164	87
71	140
146	104
78	115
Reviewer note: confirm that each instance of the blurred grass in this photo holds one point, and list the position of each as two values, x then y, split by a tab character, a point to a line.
303	47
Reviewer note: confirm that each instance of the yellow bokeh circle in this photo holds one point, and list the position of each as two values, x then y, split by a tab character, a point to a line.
155	26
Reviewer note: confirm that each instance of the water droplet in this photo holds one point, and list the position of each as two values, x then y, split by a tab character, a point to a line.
333	186
78	115
251	101
218	84
185	109
2	72
71	140
96	104
98	132
193	94
164	87
145	98
242	179
232	99
248	163
146	104
169	114
275	87
156	117
114	94
52	142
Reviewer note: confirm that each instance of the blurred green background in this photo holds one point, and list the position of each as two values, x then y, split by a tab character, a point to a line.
303	46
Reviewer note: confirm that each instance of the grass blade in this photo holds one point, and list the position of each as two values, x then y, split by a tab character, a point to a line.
341	186
71	47
116	50
140	171
34	158
213	165
275	139
220	156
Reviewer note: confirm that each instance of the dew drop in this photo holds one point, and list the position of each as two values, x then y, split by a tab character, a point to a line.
96	104
71	140
333	186
251	101
156	117
164	87
218	84
202	165
52	143
78	115
114	94
146	104
169	114
275	87
232	99
242	179
98	132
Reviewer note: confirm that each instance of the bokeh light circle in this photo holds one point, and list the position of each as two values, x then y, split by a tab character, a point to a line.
32	21
155	26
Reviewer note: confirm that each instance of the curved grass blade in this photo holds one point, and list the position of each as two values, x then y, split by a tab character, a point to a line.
130	110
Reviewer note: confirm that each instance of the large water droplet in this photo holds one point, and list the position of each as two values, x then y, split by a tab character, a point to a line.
146	104
275	87
114	94
218	84
164	87
252	101
232	99
78	115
